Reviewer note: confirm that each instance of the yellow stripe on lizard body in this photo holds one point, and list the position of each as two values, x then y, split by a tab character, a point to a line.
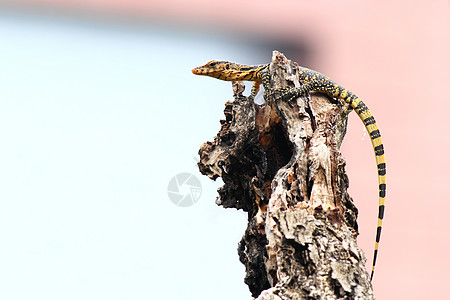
312	81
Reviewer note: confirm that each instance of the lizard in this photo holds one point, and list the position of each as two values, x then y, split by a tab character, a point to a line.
311	81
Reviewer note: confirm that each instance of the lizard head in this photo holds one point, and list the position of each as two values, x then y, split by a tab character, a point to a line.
212	67
221	69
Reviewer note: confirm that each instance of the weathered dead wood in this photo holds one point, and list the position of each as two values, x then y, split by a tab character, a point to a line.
281	163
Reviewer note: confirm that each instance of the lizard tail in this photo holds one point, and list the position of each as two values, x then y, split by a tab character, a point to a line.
372	128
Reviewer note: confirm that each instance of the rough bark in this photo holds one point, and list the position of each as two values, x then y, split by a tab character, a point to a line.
280	162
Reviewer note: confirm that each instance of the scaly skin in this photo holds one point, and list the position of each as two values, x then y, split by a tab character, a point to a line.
312	81
228	71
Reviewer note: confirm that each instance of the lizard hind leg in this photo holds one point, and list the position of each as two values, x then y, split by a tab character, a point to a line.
293	93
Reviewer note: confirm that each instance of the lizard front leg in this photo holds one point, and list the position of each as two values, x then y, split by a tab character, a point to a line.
255	90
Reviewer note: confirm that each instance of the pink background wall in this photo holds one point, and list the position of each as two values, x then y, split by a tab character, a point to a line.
395	56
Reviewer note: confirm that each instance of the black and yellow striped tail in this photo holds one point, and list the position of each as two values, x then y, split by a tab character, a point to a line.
372	128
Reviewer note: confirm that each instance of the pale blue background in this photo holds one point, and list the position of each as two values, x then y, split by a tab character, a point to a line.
95	119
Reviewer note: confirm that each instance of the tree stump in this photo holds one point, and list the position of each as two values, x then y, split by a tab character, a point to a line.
280	162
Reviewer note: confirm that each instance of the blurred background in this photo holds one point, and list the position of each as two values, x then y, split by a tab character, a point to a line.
101	121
